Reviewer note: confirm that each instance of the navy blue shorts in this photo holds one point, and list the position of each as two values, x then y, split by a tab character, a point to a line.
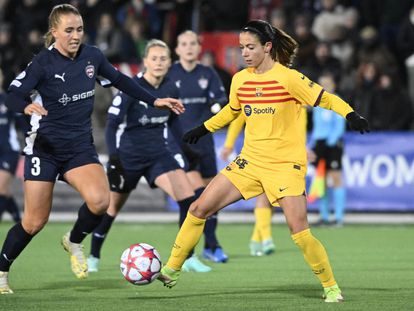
47	167
178	154
150	168
9	160
331	154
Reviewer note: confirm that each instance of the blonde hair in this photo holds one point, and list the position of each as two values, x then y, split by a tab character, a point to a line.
54	18
156	42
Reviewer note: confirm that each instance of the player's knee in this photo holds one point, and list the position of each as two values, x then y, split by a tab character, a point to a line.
98	204
33	226
198	210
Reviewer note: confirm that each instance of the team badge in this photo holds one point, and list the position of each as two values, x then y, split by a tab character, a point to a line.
247	110
203	83
259	91
90	71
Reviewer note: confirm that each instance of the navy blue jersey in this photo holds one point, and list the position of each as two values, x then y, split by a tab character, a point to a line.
67	89
8	136
143	127
198	89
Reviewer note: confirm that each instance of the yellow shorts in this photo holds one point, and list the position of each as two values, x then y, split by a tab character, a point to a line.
276	180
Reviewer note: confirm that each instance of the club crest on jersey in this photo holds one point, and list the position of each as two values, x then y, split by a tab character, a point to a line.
259	91
90	71
203	83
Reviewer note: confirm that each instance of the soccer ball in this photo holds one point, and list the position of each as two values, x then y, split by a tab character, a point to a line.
140	264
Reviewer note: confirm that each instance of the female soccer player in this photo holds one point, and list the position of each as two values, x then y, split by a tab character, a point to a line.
261	241
142	150
9	157
273	158
201	91
60	142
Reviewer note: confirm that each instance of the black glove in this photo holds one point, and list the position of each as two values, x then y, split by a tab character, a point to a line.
192	136
115	173
357	123
192	156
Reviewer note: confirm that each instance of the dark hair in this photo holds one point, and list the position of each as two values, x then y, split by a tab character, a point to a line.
284	47
54	16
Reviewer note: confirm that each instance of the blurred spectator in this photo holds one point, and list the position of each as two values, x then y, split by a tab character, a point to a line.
347	35
325	23
364	89
307	41
134	40
391	107
109	38
224	15
371	49
9	51
278	20
259	9
405	44
323	61
209	59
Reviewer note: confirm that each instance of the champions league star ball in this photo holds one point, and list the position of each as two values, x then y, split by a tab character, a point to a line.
140	264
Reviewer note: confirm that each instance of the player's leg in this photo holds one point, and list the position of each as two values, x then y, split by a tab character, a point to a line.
91	182
5	181
261	241
218	194
176	184
38	202
116	202
295	210
338	196
8	165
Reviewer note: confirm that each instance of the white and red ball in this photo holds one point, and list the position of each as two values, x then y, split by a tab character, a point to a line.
140	264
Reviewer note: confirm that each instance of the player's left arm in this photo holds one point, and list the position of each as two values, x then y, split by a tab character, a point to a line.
311	93
129	86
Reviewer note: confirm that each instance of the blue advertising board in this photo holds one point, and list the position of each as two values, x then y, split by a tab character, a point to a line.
378	170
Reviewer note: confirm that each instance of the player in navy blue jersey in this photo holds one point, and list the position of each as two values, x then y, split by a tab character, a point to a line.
60	143
137	147
202	93
9	157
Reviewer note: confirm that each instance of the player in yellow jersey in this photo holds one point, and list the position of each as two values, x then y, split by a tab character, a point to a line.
261	240
273	158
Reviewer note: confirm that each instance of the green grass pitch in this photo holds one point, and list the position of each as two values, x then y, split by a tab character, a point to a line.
373	264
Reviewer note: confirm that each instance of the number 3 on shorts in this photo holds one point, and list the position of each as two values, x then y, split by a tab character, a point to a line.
36	166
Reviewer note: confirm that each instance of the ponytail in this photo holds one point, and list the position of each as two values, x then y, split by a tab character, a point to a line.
284	47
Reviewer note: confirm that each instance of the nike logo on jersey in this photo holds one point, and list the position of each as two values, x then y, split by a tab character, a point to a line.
282	189
62	77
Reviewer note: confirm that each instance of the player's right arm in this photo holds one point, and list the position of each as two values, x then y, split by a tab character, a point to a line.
20	88
230	112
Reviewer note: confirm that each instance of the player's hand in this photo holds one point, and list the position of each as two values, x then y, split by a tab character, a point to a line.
115	172
225	153
173	104
35	108
357	123
192	136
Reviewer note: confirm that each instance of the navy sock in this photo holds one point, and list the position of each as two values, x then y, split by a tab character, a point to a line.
210	239
99	235
85	224
3	204
16	240
13	210
184	206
